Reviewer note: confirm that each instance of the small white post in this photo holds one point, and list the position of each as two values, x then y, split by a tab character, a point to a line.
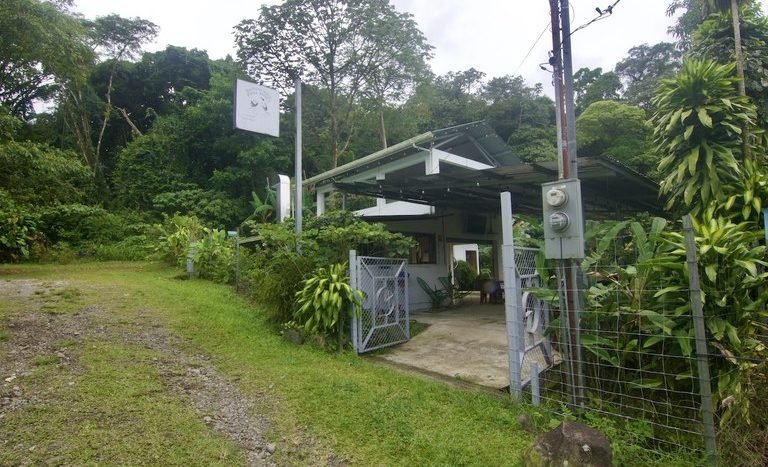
283	190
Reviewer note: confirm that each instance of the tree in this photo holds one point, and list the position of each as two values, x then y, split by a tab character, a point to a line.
697	11
644	67
698	135
593	85
512	104
36	174
714	40
534	144
450	99
42	49
617	130
116	38
351	48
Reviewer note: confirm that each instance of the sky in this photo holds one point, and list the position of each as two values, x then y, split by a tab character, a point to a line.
497	37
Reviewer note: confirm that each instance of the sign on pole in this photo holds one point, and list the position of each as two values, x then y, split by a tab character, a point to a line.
257	108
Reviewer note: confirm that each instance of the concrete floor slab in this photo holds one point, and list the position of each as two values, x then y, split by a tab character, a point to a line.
466	342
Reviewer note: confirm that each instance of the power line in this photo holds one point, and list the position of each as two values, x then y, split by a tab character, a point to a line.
546	26
601	14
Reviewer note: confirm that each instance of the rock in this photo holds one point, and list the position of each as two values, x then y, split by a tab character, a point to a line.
294	336
270	448
525	423
208	420
571	443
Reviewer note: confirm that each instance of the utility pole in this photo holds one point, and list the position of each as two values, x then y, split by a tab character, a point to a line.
567	268
557	81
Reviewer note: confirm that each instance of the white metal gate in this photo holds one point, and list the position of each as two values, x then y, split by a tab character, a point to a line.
536	345
384	316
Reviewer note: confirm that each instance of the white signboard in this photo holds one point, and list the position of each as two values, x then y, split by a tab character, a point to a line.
257	108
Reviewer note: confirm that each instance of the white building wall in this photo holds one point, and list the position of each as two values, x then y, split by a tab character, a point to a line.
448	227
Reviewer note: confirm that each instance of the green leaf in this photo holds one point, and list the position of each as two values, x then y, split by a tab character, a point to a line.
646	383
704	118
684	341
711	272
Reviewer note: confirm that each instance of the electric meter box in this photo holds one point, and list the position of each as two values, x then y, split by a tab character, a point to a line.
563	219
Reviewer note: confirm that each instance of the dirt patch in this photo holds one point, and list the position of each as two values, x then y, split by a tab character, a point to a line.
39	335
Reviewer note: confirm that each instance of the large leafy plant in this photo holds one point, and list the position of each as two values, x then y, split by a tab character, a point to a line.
698	127
325	300
645	304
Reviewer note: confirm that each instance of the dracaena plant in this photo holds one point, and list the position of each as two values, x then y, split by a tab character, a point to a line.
325	300
698	128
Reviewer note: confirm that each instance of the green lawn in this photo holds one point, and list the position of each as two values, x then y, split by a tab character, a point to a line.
364	413
322	406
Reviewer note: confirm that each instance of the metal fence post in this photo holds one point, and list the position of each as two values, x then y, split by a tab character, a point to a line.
705	388
353	283
512	305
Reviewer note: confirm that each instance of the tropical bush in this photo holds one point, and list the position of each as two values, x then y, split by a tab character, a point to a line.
326	301
698	134
174	236
645	303
278	261
213	256
465	276
19	233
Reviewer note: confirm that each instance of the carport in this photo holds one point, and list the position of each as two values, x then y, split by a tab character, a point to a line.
447	184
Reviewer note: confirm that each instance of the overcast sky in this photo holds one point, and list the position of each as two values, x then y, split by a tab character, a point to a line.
492	36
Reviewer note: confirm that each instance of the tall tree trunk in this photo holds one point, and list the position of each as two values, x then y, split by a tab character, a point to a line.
382	129
737	46
739	55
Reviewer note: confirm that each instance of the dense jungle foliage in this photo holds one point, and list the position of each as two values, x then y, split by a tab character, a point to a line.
111	152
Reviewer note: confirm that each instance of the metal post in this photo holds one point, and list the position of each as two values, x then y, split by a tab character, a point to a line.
568	104
512	305
535	391
701	342
298	205
557	82
353	283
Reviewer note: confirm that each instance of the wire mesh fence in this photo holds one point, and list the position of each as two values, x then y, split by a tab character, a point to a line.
623	345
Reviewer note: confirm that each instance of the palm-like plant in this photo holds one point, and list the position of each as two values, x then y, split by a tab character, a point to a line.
699	126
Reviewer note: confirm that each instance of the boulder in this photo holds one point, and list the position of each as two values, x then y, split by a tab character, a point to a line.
571	444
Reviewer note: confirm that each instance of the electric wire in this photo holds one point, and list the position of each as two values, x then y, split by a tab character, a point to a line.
546	27
602	14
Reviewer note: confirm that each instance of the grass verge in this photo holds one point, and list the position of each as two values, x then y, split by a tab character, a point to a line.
365	413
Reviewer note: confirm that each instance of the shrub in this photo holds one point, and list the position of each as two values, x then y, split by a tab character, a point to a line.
174	236
19	234
79	225
326	301
465	275
214	256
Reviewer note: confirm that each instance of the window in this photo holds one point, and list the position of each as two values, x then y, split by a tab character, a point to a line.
425	250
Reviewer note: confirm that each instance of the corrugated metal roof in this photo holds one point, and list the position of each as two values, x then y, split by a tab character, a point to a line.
608	187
